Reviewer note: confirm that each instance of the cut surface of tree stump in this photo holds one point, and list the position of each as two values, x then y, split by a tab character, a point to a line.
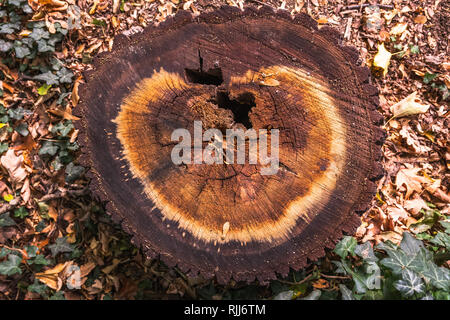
230	69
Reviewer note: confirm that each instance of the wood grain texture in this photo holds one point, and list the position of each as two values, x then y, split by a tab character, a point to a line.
233	69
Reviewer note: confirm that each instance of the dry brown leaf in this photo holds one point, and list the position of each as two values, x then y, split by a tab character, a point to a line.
25	192
65	114
74	96
411	179
399	28
389	235
85	269
421	19
413	141
108	269
53	277
415	205
14	165
409	106
397	213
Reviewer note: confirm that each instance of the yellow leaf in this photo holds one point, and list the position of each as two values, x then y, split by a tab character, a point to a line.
50	281
94	7
24	33
51	276
408	106
2	125
382	59
55	270
8	197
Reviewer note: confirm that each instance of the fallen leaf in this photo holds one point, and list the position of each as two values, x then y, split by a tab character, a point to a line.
409	106
14	165
399	28
415	205
397	213
382	59
421	19
412	181
53	277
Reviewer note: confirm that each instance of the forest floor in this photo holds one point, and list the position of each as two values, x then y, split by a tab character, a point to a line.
51	227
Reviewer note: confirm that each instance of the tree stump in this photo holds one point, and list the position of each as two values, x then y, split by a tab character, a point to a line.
229	68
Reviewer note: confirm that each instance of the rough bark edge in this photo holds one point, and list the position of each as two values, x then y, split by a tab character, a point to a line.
221	15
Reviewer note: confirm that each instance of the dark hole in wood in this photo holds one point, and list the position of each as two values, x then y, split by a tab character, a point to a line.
240	107
212	76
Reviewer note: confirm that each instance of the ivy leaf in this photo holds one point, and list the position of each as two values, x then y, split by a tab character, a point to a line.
43	46
61	245
6	220
48	148
5	45
284	295
22	129
9	28
21	212
21	51
40	260
441	295
442	239
446	225
31	251
428	77
410	284
73	172
365	251
39	33
17	113
411	245
315	295
345	246
65	76
57	296
63	128
16	3
48	77
4	252
37	287
399	260
346	292
439	276
4	146
366	279
11	266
